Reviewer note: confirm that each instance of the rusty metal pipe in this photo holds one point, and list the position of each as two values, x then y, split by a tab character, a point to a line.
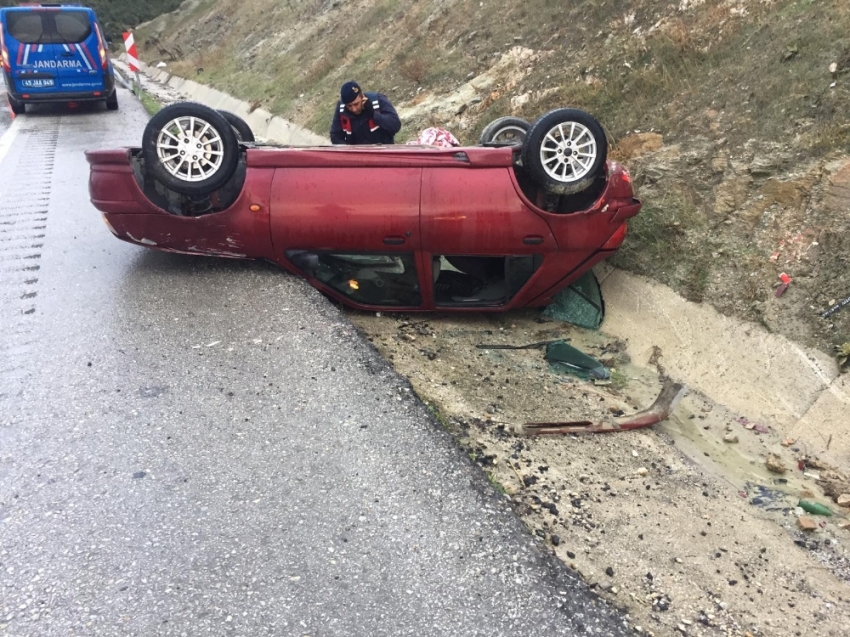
660	410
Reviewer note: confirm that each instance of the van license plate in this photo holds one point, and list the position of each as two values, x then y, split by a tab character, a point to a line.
42	83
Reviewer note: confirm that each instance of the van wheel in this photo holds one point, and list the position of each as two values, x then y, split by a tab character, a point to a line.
18	108
239	125
504	131
112	101
190	148
565	151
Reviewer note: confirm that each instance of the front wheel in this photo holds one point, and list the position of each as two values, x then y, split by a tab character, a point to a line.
565	151
240	126
190	148
504	131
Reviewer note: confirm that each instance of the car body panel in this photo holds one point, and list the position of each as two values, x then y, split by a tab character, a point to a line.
52	54
422	208
359	208
238	232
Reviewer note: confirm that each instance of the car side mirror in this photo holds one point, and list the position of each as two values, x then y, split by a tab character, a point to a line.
307	262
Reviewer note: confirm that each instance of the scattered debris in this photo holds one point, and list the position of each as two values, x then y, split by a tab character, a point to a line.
788	442
841	304
843	354
774	464
730	438
791	52
541	344
807	524
786	281
563	357
767	498
580	303
815	508
660	410
844	500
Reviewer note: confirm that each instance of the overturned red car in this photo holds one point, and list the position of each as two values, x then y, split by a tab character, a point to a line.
501	225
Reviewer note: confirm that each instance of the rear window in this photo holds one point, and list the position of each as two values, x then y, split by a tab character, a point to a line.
48	27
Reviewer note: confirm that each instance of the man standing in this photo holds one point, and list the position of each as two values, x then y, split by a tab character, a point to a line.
363	118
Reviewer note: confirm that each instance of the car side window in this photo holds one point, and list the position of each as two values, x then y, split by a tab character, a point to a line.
480	281
372	279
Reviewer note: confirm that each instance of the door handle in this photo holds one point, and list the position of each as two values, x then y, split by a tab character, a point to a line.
394	241
67	55
533	240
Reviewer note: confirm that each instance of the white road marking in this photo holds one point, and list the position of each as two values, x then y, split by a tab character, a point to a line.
8	138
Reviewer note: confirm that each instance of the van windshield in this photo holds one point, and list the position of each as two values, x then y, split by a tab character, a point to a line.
48	27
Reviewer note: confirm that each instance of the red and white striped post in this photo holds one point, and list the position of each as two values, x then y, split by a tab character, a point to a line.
133	58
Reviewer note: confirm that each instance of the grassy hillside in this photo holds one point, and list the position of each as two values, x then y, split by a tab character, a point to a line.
739	106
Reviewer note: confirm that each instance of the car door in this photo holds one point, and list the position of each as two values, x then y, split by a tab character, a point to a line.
352	231
483	244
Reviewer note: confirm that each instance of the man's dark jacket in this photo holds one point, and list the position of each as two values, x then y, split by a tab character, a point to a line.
377	123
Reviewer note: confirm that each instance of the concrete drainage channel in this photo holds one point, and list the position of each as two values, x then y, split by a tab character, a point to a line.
764	377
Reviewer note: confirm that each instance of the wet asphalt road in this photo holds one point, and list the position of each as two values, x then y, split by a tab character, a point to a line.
193	446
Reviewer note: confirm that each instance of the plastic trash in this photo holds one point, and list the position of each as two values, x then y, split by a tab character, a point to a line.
815	508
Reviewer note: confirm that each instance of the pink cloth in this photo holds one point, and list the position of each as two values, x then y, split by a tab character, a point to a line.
437	137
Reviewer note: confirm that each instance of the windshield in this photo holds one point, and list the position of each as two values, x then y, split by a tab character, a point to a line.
48	27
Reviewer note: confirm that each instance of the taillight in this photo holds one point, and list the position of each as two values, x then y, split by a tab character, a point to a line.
615	239
100	48
4	52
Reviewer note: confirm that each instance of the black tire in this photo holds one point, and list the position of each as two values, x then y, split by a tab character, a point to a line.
239	125
167	149
505	131
565	151
112	101
18	108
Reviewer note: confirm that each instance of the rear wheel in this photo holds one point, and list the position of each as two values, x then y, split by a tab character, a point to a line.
239	125
565	151
18	108
112	101
190	148
505	131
